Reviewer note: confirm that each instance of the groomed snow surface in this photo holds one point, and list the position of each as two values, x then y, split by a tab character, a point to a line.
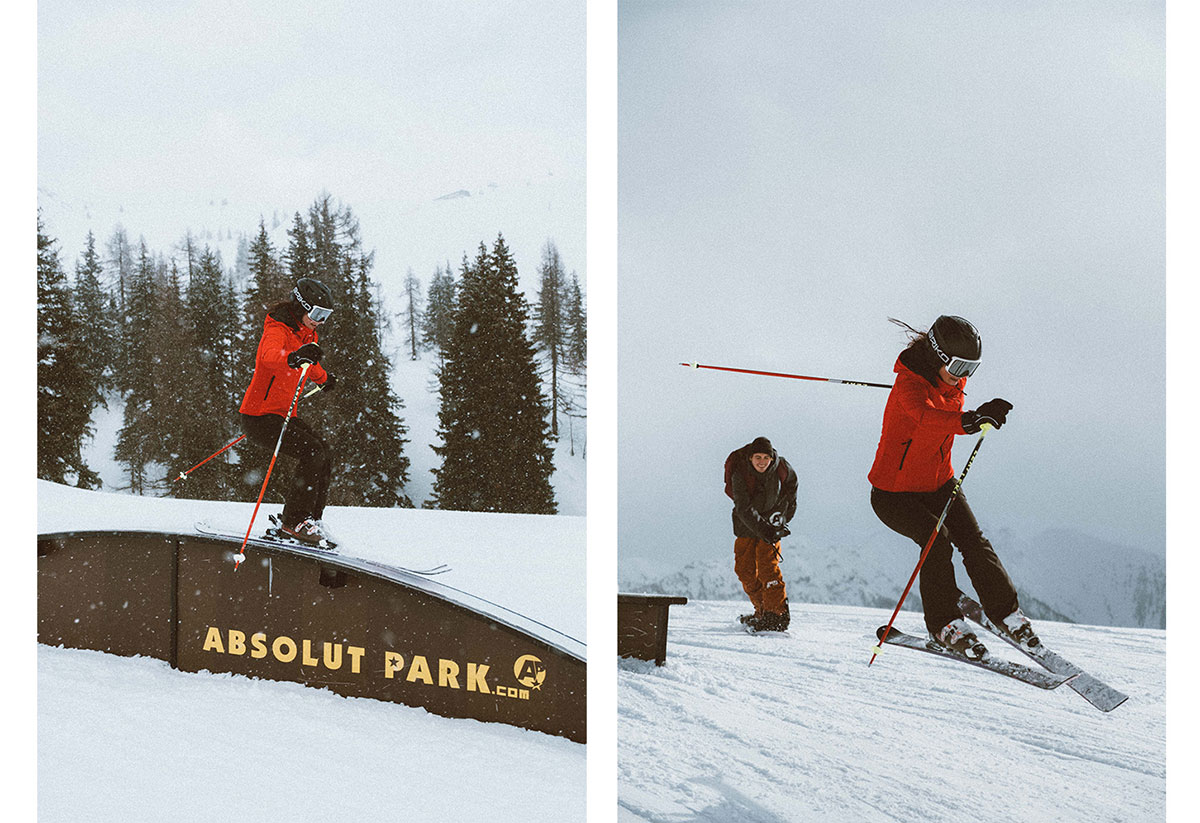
796	727
130	739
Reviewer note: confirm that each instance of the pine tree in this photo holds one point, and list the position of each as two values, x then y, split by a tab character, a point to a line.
299	255
437	326
66	395
575	359
549	330
576	327
327	252
136	442
212	318
373	468
119	264
241	264
97	328
172	409
496	452
361	419
268	282
412	313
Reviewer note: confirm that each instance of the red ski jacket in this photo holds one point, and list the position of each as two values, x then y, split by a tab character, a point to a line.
919	425
273	385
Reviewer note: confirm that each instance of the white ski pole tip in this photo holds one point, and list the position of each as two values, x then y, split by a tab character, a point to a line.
239	559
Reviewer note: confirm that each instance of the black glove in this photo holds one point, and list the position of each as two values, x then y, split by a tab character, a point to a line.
781	532
308	353
994	412
327	386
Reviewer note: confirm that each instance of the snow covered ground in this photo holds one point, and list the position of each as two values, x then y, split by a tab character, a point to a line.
796	727
122	739
130	739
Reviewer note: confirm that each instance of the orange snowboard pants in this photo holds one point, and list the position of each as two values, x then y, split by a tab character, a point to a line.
756	564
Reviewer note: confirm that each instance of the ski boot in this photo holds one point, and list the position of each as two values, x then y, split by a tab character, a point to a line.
958	637
307	531
1018	627
747	619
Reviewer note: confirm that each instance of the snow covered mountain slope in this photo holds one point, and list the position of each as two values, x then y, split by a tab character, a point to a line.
797	727
1060	575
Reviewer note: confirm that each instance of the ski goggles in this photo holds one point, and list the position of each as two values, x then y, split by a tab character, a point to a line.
318	314
956	366
961	367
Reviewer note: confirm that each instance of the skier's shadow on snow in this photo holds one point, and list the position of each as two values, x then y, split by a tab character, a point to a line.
733	806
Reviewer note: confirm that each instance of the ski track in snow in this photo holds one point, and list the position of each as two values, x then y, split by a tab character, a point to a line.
797	727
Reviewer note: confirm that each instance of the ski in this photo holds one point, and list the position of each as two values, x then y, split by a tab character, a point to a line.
1034	677
1099	694
270	542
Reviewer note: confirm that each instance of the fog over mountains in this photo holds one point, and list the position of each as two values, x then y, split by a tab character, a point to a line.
1059	574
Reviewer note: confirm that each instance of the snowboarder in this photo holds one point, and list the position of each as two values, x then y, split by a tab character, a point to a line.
763	487
912	479
289	340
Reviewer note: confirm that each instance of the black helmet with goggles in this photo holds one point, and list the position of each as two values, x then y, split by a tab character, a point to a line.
314	298
957	344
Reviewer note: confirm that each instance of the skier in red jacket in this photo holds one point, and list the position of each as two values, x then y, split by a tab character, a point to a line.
289	340
912	479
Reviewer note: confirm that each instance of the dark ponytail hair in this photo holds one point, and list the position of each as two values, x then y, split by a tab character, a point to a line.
914	336
918	355
285	312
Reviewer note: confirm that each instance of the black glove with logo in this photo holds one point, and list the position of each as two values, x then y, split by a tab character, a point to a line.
994	412
308	353
778	525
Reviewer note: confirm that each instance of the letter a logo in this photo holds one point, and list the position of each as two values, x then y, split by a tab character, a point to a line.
529	671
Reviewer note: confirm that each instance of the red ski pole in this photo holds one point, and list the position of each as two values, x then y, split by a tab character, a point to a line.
792	376
876	650
184	475
241	555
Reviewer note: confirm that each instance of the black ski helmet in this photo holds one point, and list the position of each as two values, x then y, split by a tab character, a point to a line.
312	297
956	344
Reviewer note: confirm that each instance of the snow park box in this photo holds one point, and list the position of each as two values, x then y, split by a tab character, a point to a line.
354	627
642	625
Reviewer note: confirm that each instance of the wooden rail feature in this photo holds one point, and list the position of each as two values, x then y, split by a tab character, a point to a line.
642	625
356	628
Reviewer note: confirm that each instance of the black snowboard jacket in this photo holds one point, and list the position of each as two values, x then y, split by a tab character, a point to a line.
764	495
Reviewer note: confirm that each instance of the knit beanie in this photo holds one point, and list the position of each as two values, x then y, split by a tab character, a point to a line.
761	445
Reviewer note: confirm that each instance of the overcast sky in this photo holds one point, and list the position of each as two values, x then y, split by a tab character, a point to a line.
792	174
206	115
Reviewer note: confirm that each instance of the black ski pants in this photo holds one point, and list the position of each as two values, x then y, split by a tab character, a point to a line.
914	514
310	483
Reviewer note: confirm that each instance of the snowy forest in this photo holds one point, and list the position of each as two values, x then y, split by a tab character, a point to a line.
172	334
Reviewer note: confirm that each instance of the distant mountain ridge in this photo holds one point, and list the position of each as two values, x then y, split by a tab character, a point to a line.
1060	575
